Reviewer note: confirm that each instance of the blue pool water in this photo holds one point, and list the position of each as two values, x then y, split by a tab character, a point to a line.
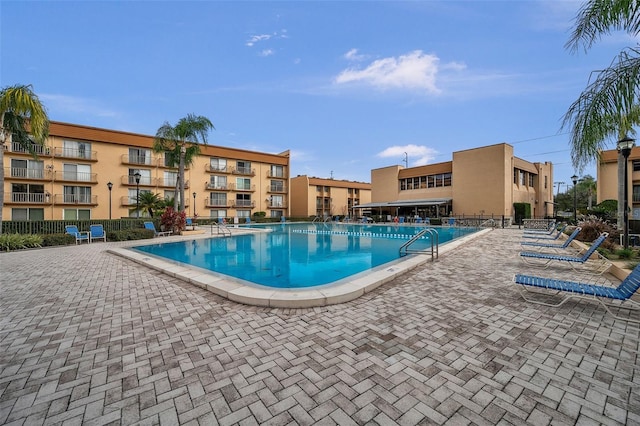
299	255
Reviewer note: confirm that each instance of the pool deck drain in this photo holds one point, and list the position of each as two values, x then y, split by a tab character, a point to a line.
340	291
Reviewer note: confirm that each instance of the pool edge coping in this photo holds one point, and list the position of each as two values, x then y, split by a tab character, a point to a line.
338	292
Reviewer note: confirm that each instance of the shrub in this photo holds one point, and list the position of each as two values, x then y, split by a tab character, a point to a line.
130	234
624	253
592	228
522	211
172	220
10	242
50	240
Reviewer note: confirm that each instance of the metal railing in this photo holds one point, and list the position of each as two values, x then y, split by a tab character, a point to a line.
221	229
434	243
24	173
42	227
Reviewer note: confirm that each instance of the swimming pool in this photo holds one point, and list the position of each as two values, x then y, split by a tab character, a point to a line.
298	255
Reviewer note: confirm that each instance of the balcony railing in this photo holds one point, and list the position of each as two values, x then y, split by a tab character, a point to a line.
75	153
218	187
277	188
276	174
216	203
216	169
276	205
27	198
22	173
38	149
170	183
76	177
243	203
144	181
236	187
246	171
145	160
75	199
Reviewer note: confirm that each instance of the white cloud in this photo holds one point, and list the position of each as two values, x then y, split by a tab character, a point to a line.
415	70
352	55
267	52
256	38
418	155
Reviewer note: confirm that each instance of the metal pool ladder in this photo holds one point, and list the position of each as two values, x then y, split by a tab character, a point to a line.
222	229
433	238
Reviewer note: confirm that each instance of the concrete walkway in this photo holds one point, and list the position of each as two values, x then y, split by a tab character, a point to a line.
87	337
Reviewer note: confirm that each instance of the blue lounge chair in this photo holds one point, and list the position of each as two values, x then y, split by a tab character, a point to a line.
152	227
188	223
545	259
599	293
96	232
573	235
80	236
547	236
549	230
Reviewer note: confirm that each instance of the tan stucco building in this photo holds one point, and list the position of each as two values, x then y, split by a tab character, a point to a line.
484	181
607	179
312	196
69	179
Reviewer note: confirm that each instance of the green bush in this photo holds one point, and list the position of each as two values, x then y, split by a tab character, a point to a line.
624	253
49	240
130	234
10	242
522	211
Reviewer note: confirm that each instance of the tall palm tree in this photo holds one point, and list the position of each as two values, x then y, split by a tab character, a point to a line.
149	202
608	108
23	119
188	132
173	160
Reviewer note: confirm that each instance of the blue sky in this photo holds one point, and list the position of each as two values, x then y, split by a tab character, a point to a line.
347	86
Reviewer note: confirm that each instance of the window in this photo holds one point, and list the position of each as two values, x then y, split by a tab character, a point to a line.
169	195
243	167
28	193
140	156
27	214
243	184
521	180
76	214
636	165
515	176
318	189
403	184
75	149
243	213
77	194
276	201
80	172
531	176
218	199
243	200
546	178
278	186
170	178
218	182
145	176
29	169
277	171
217	213
446	179
636	193
218	164
276	213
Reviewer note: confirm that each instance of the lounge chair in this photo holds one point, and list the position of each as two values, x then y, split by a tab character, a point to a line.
152	227
80	236
546	236
599	293
548	231
566	243
189	224
545	259
96	232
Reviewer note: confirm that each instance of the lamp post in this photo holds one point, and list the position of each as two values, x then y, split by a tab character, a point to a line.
194	204
110	186
574	179
137	175
624	146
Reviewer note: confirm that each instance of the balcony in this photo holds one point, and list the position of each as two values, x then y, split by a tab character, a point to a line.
27	198
75	153
245	171
216	169
126	201
276	174
242	188
209	203
76	199
39	150
217	187
26	174
282	205
277	189
142	160
169	183
76	177
243	204
144	181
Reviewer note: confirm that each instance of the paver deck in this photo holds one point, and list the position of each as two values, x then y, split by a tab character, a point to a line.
87	337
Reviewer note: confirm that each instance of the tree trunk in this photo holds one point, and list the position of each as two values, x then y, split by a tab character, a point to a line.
183	151
620	191
4	139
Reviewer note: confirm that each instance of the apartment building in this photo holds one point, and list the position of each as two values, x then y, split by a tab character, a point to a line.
90	173
482	181
607	179
313	196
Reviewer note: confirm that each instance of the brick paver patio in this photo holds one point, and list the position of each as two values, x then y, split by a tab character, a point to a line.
87	337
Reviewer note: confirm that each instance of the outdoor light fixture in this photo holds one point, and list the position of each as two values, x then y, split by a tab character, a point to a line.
137	176
574	179
625	145
194	203
110	186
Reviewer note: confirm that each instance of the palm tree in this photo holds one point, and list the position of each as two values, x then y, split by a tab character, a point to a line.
190	131
23	119
608	107
173	160
149	201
